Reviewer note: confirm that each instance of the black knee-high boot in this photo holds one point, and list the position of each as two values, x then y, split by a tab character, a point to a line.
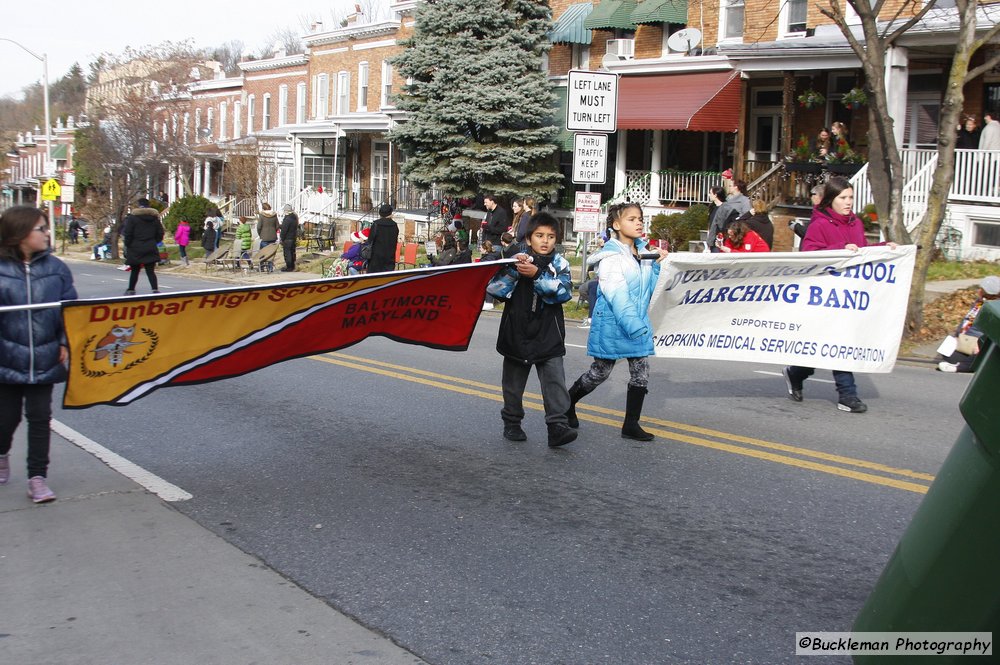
576	393
633	409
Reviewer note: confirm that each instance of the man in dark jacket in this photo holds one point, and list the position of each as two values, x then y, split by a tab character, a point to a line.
383	238
142	232
289	235
497	221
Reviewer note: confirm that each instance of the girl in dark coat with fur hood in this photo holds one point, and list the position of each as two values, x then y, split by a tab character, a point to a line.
33	347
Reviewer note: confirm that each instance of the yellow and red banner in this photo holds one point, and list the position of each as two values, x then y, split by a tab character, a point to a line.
124	348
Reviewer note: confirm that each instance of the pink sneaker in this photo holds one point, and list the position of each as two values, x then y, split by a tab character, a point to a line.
4	469
38	491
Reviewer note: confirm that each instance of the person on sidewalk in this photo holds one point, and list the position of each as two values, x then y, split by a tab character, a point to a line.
208	238
289	236
244	236
267	226
142	232
33	347
383	238
620	326
833	226
959	361
182	236
533	331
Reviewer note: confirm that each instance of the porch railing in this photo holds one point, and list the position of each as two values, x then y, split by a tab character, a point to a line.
687	186
915	194
977	176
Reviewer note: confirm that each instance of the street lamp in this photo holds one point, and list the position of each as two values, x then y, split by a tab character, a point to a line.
44	58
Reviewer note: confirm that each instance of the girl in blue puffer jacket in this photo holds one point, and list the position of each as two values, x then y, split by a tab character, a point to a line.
620	326
33	349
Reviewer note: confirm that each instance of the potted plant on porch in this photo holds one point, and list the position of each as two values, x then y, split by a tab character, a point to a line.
854	98
801	158
843	160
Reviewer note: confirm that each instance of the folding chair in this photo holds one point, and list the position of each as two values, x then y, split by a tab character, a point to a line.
263	259
216	258
409	256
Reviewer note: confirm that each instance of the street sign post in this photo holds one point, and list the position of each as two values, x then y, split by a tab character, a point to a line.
590	158
51	190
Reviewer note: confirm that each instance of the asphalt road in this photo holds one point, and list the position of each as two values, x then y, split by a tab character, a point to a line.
377	479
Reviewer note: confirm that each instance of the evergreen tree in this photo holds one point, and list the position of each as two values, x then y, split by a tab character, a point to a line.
480	105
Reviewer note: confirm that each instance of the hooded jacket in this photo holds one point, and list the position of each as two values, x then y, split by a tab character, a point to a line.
30	339
141	232
182	236
267	226
289	229
828	230
619	326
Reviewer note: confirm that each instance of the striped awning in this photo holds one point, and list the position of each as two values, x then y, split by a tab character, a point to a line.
564	138
698	102
612	15
661	11
569	28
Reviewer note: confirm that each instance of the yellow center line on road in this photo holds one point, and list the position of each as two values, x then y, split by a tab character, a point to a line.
492	392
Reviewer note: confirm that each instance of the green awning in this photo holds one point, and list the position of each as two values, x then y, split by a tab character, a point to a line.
569	28
564	139
611	15
59	152
661	11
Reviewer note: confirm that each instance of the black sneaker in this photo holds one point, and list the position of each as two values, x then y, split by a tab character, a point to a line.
560	435
514	433
794	392
852	404
129	292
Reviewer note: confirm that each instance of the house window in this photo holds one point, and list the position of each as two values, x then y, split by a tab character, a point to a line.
265	117
223	119
793	17
386	99
187	127
363	86
282	105
731	19
344	92
319	171
321	99
237	119
985	233
197	125
579	56
300	103
210	125
251	104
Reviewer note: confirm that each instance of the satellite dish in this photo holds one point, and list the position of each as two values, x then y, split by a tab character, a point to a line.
684	40
610	59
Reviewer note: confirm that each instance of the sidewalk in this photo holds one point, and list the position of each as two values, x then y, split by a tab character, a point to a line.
110	573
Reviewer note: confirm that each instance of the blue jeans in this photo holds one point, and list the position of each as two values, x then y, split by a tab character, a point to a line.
846	387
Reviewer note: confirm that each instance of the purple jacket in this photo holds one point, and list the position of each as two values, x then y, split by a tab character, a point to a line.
183	234
828	230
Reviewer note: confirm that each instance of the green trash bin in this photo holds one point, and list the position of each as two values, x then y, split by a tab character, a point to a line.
945	572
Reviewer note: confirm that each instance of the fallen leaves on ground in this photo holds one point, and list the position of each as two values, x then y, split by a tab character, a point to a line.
943	314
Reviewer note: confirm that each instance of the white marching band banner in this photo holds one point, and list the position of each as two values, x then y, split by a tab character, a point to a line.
832	309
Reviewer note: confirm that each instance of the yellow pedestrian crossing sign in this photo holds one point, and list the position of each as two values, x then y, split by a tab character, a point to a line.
51	190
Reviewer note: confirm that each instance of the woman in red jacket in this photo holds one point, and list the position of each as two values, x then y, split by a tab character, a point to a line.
740	238
833	226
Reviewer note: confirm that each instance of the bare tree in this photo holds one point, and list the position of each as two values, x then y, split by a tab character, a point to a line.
229	55
885	166
136	132
250	170
288	38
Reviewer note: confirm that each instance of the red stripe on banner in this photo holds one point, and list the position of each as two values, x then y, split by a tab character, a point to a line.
439	311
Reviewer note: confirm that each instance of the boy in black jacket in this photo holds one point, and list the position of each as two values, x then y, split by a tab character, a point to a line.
532	329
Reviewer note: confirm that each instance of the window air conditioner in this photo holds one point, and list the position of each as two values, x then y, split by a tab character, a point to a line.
623	49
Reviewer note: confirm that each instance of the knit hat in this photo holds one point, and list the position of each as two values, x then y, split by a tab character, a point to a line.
990	285
287	207
728	174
